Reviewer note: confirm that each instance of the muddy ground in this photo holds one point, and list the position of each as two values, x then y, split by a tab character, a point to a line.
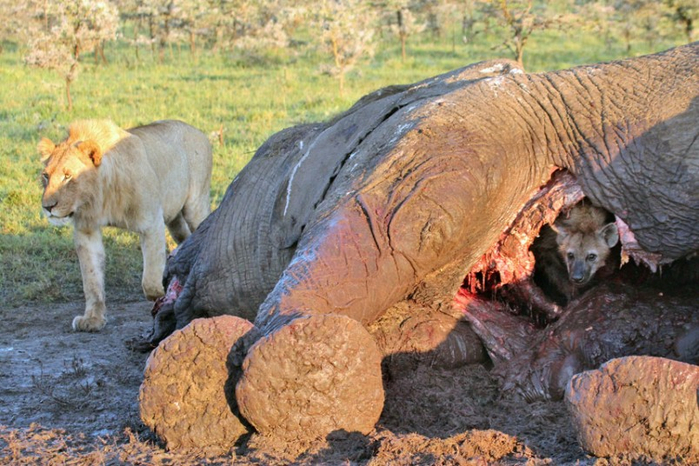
71	398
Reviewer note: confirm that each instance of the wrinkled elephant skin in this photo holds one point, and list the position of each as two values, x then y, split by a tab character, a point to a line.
398	197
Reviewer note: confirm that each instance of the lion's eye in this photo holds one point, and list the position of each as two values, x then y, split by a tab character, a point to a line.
45	178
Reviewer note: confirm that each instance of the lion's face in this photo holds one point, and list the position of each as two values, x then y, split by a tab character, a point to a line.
69	178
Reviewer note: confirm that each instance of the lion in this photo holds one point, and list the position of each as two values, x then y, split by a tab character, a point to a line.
140	180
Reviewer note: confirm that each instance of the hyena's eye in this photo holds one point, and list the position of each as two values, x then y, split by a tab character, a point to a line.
592	257
571	256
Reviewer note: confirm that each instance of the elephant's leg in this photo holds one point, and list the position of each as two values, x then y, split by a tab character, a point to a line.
411	335
90	249
530	295
316	374
153	249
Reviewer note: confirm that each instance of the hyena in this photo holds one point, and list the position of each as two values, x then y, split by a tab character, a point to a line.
574	250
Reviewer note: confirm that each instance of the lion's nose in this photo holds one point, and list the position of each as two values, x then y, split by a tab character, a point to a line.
49	206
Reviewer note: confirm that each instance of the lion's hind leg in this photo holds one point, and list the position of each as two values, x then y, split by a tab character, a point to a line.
196	209
179	229
153	248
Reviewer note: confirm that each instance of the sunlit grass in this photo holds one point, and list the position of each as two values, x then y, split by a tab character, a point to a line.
247	101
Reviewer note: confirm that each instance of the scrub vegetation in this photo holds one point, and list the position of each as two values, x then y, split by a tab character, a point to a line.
244	74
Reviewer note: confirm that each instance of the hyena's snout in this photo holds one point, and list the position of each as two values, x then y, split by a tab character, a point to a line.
579	273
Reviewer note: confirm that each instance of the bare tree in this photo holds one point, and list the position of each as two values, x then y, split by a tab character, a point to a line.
403	21
639	19
521	18
70	27
597	17
17	23
346	32
270	25
686	14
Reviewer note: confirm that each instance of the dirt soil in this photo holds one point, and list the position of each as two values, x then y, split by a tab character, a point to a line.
71	398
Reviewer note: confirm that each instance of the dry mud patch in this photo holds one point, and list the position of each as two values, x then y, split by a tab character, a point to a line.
71	398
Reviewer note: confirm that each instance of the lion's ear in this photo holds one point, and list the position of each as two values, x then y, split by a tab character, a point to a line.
45	148
92	150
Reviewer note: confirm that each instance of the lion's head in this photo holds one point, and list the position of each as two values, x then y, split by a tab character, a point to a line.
70	169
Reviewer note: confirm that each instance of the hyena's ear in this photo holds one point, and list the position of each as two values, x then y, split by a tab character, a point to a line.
92	150
45	148
610	234
561	229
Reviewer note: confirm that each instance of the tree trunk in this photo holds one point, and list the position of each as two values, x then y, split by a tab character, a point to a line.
46	15
136	30
71	75
402	47
401	34
151	27
99	54
689	30
69	99
519	47
339	65
193	45
627	40
217	40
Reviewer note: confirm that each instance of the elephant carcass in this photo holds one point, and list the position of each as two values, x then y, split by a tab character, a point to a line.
610	321
240	251
401	196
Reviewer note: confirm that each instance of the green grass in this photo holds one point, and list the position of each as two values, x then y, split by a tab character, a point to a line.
250	102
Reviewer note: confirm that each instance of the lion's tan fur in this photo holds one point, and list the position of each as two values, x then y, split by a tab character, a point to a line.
103	132
139	180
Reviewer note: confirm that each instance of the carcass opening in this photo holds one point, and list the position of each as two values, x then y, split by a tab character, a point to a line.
507	273
634	307
558	247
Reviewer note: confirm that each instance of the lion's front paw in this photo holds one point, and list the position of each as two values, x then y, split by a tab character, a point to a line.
88	324
153	291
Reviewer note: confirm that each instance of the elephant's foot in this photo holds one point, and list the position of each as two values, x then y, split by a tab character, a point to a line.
185	396
313	376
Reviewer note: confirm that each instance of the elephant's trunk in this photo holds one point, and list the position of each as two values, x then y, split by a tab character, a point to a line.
631	137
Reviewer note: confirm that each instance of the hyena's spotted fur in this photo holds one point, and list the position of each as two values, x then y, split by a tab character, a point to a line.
571	253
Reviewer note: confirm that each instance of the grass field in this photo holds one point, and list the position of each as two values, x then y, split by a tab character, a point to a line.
249	101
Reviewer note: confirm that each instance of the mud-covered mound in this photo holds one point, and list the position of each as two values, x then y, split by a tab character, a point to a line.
447	415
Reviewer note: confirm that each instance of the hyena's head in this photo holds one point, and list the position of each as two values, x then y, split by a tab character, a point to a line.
585	240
